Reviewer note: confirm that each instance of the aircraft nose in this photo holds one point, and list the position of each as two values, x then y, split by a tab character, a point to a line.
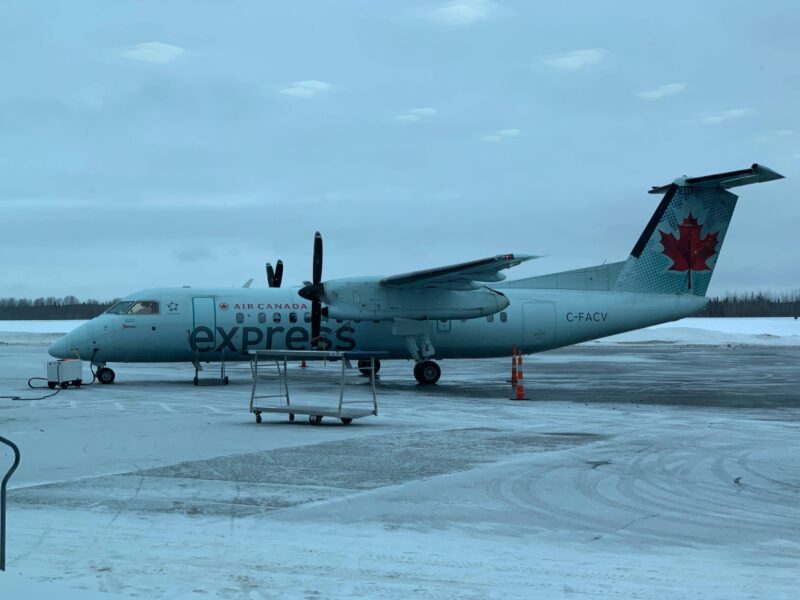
58	349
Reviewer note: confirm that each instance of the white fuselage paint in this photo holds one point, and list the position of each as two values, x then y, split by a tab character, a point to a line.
207	324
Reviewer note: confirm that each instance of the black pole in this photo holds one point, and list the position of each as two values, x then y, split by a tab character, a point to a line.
13	468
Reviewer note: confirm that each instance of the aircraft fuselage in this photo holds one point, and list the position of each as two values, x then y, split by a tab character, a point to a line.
208	324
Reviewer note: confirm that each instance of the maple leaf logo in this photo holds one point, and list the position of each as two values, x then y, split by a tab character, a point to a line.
689	252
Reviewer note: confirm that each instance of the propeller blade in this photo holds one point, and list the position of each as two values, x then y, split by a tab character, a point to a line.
278	274
317	270
270	275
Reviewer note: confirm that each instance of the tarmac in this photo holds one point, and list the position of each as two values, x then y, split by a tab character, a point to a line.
641	471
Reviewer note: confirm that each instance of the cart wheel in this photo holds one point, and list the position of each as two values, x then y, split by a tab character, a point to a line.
225	381
346	420
195	381
64	385
258	417
51	385
315	419
291	417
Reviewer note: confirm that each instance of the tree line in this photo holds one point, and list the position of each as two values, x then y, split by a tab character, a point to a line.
752	304
68	307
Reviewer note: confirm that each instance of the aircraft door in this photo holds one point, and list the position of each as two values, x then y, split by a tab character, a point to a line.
540	323
205	315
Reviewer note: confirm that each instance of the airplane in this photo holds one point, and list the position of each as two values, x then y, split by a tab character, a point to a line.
466	310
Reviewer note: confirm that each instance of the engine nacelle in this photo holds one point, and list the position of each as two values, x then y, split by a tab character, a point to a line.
366	299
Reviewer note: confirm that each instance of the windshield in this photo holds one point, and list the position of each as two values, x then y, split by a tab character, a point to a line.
120	307
134	307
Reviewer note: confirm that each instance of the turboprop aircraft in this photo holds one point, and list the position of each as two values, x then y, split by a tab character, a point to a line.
465	310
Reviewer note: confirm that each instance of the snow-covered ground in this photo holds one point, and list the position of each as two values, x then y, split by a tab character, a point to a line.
604	487
692	331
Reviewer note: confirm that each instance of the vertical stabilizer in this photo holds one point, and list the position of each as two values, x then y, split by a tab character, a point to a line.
678	250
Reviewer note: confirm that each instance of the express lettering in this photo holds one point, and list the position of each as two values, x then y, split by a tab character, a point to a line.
202	339
586	316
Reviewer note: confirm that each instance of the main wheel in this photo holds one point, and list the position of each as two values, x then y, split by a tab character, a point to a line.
106	375
363	366
427	372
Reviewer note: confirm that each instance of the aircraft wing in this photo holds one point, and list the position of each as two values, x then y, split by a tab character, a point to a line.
460	275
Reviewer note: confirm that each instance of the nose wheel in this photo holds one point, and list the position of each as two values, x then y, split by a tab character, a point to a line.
105	375
427	372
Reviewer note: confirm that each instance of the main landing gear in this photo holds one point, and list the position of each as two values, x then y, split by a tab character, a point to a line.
105	375
363	366
427	372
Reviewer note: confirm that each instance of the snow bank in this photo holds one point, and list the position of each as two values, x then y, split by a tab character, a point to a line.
34	333
715	332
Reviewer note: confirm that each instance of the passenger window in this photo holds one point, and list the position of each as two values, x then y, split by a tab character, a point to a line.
276	317
490	318
240	317
144	307
503	317
262	318
307	317
292	317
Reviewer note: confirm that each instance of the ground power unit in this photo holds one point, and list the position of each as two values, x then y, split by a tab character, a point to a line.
64	373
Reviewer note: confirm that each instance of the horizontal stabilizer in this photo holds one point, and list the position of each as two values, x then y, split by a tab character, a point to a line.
755	174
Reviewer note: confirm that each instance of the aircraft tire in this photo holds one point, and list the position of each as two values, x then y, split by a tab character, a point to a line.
346	420
427	372
363	366
106	375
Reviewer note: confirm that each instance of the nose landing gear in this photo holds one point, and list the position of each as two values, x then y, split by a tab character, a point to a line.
427	372
105	375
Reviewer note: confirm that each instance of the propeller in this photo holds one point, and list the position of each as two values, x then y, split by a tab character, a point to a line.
315	291
275	276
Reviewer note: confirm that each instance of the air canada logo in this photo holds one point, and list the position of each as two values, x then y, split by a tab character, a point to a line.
689	252
223	306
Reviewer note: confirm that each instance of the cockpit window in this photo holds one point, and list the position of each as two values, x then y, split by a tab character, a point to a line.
143	307
120	307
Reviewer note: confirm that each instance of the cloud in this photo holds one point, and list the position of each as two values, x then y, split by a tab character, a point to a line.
501	135
305	89
575	59
414	115
457	13
193	254
153	52
662	91
727	115
772	135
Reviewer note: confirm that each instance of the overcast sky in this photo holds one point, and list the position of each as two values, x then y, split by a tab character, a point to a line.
185	143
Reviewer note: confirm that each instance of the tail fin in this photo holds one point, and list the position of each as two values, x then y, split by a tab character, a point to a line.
678	249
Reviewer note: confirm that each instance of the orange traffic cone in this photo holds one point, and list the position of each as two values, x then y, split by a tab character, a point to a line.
513	365
520	395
